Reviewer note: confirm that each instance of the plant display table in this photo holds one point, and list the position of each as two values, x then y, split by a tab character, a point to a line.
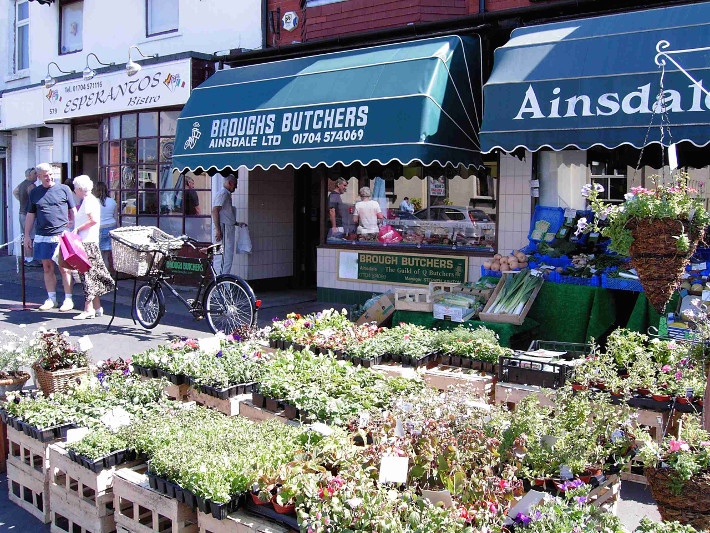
238	522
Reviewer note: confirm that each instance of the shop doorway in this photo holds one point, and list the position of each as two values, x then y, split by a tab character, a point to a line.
5	215
86	161
307	227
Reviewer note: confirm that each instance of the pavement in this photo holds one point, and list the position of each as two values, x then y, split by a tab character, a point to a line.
125	338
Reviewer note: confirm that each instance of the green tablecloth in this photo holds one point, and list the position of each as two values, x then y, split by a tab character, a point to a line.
565	313
509	334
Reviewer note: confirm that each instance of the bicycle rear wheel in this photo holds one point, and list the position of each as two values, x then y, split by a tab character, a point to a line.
228	305
149	306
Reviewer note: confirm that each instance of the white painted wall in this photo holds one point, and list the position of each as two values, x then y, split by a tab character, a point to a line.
562	176
110	28
514	211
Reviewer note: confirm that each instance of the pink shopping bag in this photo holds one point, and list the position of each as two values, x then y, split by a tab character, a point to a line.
73	252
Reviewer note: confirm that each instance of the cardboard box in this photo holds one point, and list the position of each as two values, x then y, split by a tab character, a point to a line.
378	312
453	313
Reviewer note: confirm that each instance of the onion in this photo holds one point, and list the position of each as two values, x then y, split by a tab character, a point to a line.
513	264
521	257
523	264
497	257
495	267
487	264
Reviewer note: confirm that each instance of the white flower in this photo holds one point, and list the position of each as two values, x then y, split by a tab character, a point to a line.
598	187
629	196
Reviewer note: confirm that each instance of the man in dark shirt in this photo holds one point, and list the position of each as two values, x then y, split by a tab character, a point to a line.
52	205
21	194
191	202
339	211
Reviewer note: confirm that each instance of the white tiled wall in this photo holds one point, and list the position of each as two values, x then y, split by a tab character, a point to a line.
515	206
264	200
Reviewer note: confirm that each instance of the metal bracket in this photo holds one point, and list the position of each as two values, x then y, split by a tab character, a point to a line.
663	53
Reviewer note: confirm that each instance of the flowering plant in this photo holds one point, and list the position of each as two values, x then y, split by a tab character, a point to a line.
676	200
53	351
687	455
14	354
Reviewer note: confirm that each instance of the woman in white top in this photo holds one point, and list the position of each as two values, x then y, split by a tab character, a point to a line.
97	281
109	217
367	214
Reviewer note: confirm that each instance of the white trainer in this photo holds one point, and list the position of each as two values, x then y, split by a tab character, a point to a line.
100	312
68	305
48	304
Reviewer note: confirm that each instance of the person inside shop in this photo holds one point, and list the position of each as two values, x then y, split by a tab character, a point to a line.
52	205
367	215
339	211
96	281
224	221
109	218
191	201
21	194
406	209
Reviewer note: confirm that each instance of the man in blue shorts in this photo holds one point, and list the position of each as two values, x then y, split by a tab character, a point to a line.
52	205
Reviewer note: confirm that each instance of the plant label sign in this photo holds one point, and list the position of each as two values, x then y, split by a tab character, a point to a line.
436	496
209	345
394	469
76	434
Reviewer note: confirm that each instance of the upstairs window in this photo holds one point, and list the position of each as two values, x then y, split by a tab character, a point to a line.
22	35
162	16
71	23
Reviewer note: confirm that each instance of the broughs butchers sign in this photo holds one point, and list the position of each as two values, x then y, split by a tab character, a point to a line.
153	86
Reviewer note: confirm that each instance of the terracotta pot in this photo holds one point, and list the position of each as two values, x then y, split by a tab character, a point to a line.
256	500
579	386
643	392
283	509
683	400
661	397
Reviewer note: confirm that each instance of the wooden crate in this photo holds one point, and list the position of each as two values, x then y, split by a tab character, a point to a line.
28	492
71	514
258	414
606	495
633	477
442	286
485	316
443	377
238	522
484	294
229	407
24	451
178	392
140	509
654	421
510	394
412	299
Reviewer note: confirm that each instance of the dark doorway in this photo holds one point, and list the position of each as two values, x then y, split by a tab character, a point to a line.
307	227
86	161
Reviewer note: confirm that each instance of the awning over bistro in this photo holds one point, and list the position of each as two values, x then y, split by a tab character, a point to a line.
418	100
597	81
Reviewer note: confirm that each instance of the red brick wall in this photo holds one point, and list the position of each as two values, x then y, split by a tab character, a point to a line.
356	16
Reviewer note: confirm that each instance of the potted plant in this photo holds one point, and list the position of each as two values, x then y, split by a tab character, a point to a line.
658	228
14	355
59	363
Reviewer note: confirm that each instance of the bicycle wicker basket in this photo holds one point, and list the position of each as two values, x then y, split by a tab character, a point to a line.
57	380
136	249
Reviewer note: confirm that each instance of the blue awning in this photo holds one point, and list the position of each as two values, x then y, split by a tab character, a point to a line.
418	100
595	82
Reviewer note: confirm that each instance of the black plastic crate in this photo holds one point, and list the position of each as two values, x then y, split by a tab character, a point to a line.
573	350
525	372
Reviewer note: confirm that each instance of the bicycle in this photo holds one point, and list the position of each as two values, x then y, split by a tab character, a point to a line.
226	301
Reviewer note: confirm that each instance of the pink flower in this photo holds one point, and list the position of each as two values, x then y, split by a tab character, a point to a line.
666	368
705	443
678	446
679	375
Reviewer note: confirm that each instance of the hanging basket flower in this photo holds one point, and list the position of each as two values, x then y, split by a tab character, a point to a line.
658	228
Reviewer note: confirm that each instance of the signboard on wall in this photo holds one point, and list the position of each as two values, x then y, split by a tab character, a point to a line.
400	269
437	186
153	86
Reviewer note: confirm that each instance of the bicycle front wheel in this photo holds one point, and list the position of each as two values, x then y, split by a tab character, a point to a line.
149	306
228	306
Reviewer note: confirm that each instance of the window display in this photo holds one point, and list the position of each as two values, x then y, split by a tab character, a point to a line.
444	207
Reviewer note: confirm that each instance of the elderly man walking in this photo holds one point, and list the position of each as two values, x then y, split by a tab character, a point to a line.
52	205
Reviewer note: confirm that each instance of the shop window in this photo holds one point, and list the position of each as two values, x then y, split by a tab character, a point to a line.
135	158
162	16
606	169
444	218
22	35
71	26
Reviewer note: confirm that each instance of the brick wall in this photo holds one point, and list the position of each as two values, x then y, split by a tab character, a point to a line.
285	37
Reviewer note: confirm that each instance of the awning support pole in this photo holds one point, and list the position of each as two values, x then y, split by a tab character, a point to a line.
663	54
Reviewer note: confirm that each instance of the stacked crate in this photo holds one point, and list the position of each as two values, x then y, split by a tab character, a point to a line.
140	509
82	500
28	474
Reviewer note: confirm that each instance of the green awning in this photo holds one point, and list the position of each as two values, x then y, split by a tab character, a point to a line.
596	82
414	101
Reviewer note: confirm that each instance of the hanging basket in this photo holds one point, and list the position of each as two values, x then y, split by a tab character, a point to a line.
13	383
655	256
58	380
691	506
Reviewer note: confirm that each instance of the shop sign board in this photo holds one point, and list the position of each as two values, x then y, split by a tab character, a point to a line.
153	86
400	268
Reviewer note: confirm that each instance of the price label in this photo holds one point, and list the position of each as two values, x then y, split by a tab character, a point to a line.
76	434
209	345
570	213
394	469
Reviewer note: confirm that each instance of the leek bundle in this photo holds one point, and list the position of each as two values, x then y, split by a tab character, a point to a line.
515	292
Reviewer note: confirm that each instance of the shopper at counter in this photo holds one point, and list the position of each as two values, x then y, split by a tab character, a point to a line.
339	211
367	214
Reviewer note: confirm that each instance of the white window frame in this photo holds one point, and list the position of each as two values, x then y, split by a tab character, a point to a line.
150	30
63	37
25	23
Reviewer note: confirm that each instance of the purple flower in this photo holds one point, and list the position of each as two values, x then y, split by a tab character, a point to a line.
218	354
581	500
523	519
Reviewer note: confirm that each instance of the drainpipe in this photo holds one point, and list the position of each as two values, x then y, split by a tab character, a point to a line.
264	26
481	6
